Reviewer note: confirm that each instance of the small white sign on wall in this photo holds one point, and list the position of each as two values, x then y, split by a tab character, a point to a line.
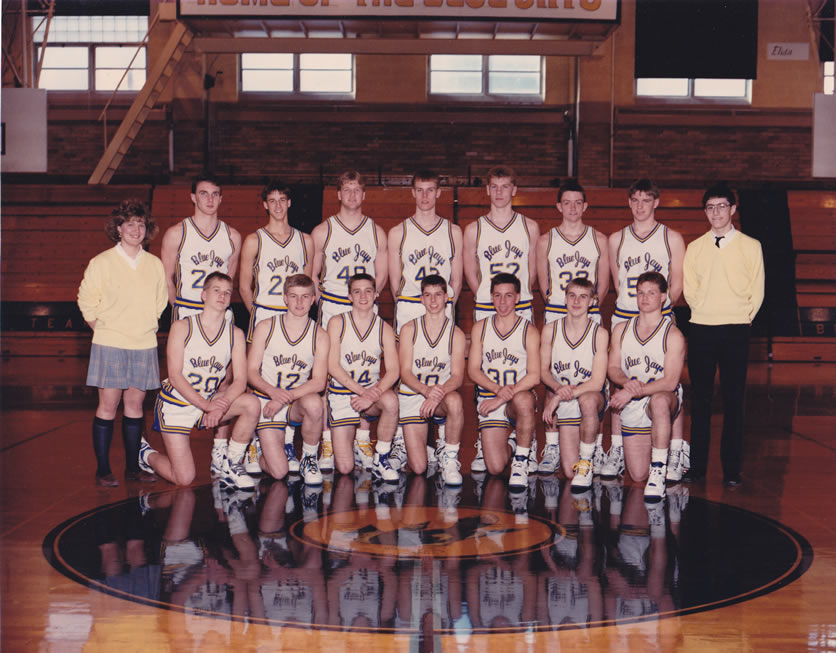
788	51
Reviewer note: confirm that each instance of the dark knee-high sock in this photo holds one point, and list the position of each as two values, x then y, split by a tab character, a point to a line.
102	435
131	435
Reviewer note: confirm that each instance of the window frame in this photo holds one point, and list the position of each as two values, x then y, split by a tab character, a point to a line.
691	98
828	76
296	73
92	67
485	96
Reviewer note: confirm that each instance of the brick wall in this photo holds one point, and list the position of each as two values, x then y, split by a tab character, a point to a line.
697	155
462	147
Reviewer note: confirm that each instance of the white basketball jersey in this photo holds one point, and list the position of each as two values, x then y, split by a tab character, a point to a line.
570	259
424	253
432	360
205	359
360	354
346	253
288	363
572	361
502	250
644	359
636	256
274	262
198	256
504	358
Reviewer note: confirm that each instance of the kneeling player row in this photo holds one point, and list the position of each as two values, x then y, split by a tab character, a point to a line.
291	360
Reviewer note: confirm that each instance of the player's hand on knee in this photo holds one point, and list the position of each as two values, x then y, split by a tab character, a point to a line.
565	392
271	408
550	409
428	408
506	393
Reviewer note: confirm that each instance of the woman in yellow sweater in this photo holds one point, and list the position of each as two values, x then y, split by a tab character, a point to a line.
121	297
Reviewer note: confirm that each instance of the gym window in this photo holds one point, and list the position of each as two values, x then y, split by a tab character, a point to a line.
76	59
268	72
676	88
486	76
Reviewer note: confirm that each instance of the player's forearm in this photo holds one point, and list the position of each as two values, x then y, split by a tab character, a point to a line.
453	383
617	375
388	380
663	384
411	381
189	393
246	295
483	380
528	382
314	385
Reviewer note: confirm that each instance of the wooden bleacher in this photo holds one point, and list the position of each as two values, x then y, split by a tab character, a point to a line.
49	235
59	228
814	241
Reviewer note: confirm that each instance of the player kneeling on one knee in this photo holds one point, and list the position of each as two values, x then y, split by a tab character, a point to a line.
431	352
504	364
287	368
573	363
200	349
357	394
646	357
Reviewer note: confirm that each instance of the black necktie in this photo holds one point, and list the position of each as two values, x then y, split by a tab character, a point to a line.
717	240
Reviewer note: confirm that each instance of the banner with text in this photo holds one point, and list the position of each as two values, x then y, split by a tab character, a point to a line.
556	10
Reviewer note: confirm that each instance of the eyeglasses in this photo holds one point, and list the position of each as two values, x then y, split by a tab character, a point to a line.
711	208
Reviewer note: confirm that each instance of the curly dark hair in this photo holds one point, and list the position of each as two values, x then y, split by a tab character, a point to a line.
128	209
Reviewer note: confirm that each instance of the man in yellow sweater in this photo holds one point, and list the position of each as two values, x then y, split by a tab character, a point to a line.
724	286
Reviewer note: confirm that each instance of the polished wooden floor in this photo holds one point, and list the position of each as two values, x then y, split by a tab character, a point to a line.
47	478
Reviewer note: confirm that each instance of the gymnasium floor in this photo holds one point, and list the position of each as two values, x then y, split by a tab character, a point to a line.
147	568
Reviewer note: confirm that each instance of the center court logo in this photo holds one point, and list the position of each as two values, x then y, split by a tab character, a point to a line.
418	531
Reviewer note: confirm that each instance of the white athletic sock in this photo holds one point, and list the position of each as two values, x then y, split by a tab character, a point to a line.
289	434
326	435
616	440
676	445
442	429
309	449
382	447
659	455
219	442
587	449
552	437
363	435
236	450
522	451
452	448
599	439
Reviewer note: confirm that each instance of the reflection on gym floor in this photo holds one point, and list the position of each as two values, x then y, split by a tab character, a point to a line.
422	559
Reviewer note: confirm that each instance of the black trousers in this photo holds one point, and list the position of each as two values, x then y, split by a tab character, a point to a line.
709	347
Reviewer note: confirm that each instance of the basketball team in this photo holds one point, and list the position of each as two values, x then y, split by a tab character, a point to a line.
336	376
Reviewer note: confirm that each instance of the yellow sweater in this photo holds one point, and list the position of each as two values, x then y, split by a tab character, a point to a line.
723	286
125	303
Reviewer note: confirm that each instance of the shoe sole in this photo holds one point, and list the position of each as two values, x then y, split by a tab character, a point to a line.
226	483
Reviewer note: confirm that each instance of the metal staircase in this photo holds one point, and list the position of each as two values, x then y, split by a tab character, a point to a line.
158	77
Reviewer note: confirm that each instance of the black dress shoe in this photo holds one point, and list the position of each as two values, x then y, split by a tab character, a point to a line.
732	481
108	480
692	477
